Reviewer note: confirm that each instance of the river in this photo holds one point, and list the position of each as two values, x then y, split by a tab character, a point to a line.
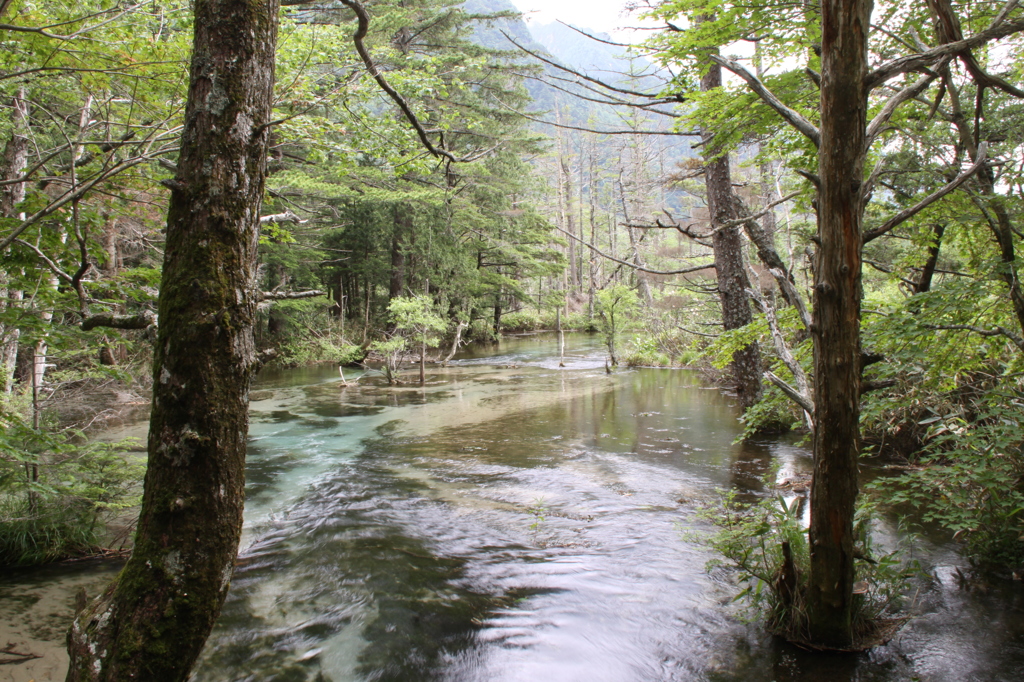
517	521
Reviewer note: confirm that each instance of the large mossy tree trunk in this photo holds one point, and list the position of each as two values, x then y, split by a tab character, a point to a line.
727	245
151	623
837	295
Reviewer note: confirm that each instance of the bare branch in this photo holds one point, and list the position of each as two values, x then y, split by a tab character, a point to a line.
288	216
769	256
597	81
143	320
593	248
760	214
362	27
535	119
996	331
792	296
79	192
803	389
790	393
1004	12
593	37
697	333
754	83
604	97
928	200
907	93
912	62
54	268
289	295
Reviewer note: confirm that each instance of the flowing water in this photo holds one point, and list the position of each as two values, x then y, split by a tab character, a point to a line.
518	521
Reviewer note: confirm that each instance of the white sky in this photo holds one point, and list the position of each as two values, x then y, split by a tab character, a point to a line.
598	15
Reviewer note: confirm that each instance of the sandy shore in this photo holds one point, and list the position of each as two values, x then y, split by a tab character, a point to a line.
36	607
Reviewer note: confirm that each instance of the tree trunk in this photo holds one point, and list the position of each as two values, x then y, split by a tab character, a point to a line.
570	226
152	622
837	294
728	249
561	338
423	363
396	284
1002	229
15	156
924	282
592	267
15	161
366	311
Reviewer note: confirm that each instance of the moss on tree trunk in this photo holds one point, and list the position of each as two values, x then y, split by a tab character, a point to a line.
152	622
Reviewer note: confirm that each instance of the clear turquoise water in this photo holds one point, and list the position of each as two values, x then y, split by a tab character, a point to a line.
516	521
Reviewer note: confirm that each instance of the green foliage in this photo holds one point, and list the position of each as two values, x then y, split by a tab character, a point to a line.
618	306
414	318
305	332
580	322
661	345
954	408
774	412
57	493
481	332
972	481
416	327
521	321
538	510
393	351
643	351
750	539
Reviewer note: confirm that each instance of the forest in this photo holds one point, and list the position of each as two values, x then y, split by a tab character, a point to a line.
458	284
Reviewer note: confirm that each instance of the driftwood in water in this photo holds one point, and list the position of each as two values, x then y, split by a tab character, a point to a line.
455	344
561	338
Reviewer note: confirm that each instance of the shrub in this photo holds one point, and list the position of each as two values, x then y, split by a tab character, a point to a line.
660	349
521	321
643	352
481	331
574	322
766	544
618	305
305	332
973	479
56	494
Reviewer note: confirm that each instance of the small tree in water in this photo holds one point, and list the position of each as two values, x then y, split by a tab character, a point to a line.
617	305
416	324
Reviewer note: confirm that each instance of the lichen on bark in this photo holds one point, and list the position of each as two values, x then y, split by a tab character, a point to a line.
152	622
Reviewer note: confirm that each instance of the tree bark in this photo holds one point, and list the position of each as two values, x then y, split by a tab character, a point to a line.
402	225
837	294
14	162
728	249
924	282
152	622
15	156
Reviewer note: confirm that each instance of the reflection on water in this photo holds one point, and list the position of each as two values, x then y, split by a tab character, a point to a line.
515	521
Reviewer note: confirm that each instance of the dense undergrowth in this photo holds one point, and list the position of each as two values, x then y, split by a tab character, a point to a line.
58	492
764	544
